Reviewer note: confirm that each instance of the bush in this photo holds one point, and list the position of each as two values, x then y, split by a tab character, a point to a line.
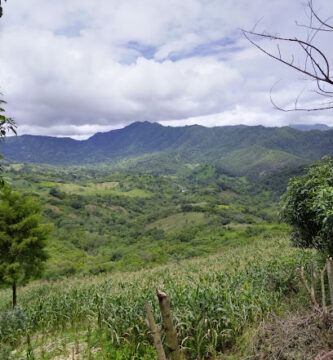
308	207
11	322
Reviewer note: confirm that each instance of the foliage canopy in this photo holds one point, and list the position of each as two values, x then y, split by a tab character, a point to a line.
22	239
308	207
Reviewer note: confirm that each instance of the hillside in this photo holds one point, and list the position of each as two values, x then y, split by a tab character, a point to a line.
214	301
106	220
192	211
207	237
240	150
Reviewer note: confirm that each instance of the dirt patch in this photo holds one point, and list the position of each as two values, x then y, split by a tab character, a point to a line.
76	352
118	209
54	208
91	207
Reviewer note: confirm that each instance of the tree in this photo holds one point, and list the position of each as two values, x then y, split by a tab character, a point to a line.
307	206
315	64
22	239
6	124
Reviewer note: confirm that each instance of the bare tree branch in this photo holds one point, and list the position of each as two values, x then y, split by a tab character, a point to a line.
322	22
316	64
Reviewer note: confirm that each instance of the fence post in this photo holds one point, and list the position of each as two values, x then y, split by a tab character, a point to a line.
323	292
155	333
170	330
309	290
330	277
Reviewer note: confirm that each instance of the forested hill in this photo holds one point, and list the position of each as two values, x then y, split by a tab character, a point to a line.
233	147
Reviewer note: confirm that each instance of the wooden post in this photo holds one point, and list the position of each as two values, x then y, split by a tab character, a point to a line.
310	292
313	276
170	331
323	292
329	264
155	333
14	294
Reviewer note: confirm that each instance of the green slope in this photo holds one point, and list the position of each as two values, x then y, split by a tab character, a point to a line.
106	220
255	160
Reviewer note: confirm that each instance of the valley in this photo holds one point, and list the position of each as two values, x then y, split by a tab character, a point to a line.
203	227
166	180
106	220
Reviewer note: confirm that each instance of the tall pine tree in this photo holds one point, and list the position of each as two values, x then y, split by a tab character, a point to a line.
22	239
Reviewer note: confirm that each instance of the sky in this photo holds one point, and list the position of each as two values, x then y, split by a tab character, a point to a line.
74	68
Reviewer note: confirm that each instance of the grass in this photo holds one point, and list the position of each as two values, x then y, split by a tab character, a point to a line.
88	188
47	183
258	160
178	222
106	188
214	299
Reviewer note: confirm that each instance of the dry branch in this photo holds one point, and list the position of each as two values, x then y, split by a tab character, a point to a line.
316	65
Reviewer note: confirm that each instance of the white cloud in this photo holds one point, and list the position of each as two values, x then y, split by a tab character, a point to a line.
76	67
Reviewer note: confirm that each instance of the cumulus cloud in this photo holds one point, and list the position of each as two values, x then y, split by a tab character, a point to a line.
72	68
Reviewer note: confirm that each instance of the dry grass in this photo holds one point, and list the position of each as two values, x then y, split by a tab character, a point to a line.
296	336
178	222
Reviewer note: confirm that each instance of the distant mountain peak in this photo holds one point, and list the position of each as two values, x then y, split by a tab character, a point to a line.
143	124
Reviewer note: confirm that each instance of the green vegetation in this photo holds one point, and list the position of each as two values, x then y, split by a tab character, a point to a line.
7	125
213	299
308	207
249	151
106	220
22	240
254	160
178	222
106	188
207	238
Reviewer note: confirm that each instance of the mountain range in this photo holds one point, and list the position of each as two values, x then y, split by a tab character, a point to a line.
240	150
309	127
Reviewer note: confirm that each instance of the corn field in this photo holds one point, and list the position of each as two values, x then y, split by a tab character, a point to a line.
213	300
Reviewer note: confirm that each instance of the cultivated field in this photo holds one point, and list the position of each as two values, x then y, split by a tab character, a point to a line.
214	299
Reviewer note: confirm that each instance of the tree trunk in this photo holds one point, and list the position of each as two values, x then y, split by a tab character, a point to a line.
330	278
155	333
170	331
14	294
